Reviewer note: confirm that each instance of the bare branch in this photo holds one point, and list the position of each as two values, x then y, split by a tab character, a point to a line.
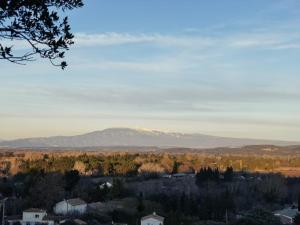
39	25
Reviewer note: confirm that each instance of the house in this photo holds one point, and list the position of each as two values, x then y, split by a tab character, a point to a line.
178	175
32	217
152	219
72	222
105	185
287	215
113	223
70	206
79	222
165	175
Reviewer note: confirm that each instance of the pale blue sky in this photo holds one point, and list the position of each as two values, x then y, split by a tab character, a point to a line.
227	68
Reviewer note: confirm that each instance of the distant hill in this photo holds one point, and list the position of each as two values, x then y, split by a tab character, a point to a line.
123	137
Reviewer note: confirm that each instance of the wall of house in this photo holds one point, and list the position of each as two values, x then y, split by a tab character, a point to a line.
65	208
151	221
80	209
34	216
60	208
36	223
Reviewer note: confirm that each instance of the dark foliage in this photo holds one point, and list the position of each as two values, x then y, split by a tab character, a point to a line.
6	188
175	167
297	219
259	217
228	174
141	206
117	189
207	174
71	178
221	195
299	202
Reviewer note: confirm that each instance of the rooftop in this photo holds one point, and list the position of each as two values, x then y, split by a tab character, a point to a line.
76	201
35	210
80	222
153	216
287	212
55	217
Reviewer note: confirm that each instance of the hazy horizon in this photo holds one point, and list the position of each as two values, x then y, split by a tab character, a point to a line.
227	69
140	129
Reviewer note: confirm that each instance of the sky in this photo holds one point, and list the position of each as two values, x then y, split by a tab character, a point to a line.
228	68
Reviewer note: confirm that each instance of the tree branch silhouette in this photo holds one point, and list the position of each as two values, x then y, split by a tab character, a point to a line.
38	24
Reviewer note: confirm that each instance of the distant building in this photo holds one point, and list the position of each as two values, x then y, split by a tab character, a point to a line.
70	206
165	175
287	215
79	222
106	184
72	222
113	223
178	175
32	217
152	219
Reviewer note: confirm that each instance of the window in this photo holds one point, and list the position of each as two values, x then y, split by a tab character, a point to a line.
37	215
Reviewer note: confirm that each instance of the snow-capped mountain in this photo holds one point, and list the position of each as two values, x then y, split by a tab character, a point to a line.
123	137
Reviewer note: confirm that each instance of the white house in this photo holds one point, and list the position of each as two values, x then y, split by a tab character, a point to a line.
70	206
179	175
287	215
165	175
152	219
106	184
33	217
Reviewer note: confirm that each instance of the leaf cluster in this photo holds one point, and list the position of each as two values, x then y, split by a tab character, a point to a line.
40	25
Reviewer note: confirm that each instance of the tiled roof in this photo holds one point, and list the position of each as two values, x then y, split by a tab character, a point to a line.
287	212
55	217
76	201
80	222
35	210
153	216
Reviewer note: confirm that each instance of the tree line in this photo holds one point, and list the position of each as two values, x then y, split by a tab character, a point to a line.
132	164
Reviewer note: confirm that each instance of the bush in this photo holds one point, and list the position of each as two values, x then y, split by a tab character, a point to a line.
259	217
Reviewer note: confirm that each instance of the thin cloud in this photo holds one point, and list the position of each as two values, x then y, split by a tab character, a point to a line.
256	39
266	40
168	99
164	66
114	38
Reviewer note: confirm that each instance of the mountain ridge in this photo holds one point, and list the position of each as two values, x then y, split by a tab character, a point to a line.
139	137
